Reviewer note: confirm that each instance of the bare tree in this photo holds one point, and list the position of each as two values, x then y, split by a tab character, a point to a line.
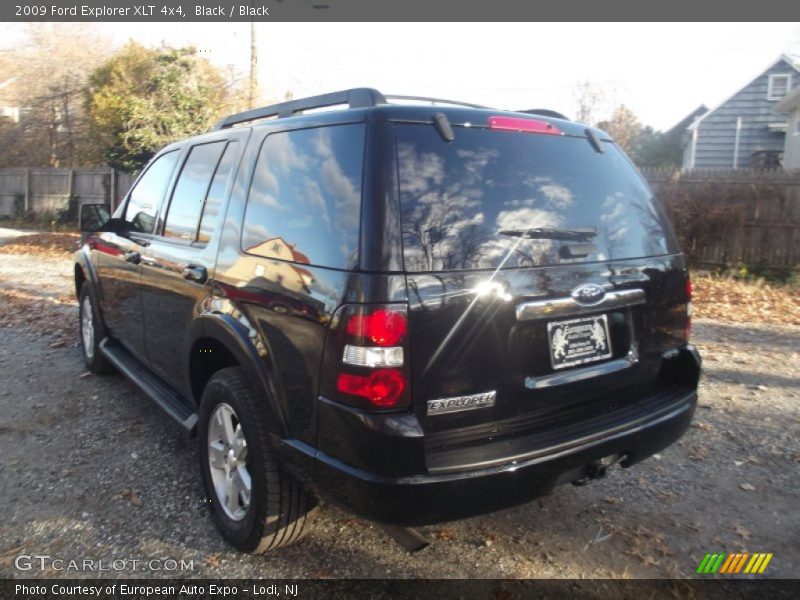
589	98
49	75
625	128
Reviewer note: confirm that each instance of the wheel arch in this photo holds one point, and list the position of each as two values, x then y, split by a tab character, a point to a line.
218	340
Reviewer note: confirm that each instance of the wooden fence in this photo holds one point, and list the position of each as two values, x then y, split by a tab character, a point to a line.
768	233
46	190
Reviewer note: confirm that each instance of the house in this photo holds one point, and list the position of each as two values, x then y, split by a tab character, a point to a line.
743	131
8	111
678	133
791	150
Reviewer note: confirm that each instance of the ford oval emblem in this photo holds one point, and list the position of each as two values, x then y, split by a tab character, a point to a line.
588	293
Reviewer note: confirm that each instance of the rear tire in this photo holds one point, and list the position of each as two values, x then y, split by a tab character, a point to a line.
92	333
234	444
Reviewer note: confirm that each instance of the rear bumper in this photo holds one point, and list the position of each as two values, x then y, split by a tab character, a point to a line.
383	467
427	499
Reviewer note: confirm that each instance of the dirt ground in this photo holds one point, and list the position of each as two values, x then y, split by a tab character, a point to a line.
90	468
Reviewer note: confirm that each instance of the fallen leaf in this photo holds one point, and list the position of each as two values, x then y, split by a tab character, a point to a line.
703	426
445	535
727	299
321	573
747	487
213	560
131	496
7	557
698	453
741	531
61	245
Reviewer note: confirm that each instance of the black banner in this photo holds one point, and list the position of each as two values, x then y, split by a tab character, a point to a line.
394	10
412	589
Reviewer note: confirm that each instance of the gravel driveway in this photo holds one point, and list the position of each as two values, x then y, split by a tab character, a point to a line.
90	468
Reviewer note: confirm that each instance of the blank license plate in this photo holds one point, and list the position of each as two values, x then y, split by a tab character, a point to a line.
578	341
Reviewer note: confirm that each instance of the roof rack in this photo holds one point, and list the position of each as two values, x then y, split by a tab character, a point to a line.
436	101
354	98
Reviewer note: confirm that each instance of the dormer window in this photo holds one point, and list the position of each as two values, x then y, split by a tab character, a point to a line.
779	86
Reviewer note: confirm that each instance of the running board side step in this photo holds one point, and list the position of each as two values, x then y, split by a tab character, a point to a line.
175	405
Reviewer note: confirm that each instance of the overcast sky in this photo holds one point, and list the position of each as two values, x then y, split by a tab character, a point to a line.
662	71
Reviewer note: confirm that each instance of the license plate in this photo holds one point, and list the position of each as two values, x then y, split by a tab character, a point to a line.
578	341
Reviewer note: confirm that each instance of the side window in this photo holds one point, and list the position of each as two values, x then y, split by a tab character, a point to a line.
191	189
305	200
216	193
147	194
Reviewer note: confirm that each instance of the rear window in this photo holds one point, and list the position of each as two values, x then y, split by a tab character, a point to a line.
456	198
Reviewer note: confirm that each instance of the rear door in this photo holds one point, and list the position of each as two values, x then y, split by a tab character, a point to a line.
180	259
536	267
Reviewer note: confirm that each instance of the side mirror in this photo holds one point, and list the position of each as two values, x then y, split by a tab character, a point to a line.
93	217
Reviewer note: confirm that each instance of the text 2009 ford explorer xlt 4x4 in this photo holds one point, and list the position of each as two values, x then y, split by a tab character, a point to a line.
416	312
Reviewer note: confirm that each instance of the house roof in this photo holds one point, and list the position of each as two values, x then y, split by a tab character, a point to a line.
790	61
677	130
789	103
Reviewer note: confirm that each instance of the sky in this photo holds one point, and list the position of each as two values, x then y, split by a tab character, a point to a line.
661	71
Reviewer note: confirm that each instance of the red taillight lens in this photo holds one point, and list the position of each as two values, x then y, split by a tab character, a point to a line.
383	388
529	125
688	289
382	327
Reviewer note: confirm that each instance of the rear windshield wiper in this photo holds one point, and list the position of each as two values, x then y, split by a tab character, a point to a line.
542	233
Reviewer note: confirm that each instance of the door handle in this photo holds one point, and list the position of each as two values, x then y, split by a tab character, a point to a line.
132	257
195	273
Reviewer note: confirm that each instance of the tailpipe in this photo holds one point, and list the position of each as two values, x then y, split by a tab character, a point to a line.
410	539
598	469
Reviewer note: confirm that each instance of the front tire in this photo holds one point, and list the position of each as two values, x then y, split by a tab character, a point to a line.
92	333
256	506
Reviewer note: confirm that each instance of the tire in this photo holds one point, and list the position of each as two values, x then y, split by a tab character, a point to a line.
279	508
92	333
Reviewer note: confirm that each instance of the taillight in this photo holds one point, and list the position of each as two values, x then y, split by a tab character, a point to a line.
383	388
382	327
527	125
687	329
366	357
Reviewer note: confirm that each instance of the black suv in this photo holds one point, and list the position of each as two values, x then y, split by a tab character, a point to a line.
419	312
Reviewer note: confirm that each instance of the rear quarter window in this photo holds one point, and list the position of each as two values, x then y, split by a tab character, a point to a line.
304	203
456	198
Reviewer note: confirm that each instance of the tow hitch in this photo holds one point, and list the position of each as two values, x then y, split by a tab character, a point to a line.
598	469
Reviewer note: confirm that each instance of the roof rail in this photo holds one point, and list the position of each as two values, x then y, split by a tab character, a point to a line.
354	98
544	112
436	101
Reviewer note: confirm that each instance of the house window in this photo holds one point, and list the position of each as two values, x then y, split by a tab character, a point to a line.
779	86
